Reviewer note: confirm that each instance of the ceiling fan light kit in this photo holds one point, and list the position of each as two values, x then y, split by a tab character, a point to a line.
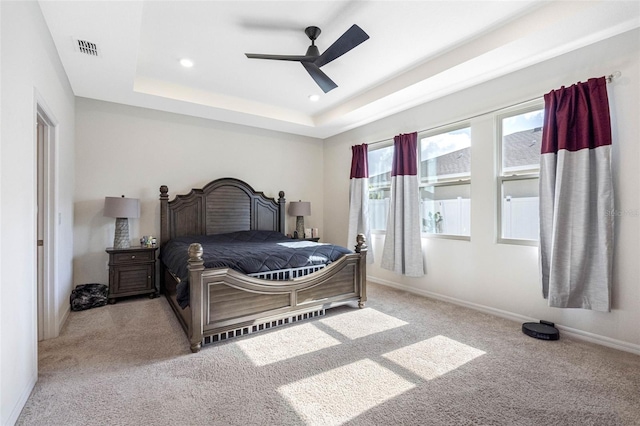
313	60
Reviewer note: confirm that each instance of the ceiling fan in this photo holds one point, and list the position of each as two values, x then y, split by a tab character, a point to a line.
313	60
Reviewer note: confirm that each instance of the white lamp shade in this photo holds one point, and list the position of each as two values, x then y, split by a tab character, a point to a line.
121	207
300	208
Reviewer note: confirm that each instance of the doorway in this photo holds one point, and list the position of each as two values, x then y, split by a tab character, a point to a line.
45	247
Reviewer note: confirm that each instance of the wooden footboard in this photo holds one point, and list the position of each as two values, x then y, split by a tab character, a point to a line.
223	300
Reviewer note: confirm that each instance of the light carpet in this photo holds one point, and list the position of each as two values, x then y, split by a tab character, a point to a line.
403	360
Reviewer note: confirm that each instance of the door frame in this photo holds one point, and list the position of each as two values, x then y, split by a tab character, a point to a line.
45	309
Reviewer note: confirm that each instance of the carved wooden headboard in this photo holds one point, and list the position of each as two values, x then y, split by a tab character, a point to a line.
221	206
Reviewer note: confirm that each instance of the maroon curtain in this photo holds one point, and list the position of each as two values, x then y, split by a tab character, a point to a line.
405	155
576	197
359	161
577	117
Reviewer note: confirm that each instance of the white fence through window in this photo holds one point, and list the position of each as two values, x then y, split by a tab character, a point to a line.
448	217
520	218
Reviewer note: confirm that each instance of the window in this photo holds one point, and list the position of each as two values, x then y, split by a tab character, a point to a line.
445	190
520	137
379	186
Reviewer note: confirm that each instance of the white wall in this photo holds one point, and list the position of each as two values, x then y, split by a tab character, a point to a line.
131	151
30	65
501	278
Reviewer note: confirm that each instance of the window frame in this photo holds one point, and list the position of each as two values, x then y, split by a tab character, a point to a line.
424	182
502	177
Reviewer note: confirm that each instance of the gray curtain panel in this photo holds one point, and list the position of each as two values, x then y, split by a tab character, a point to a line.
576	198
402	251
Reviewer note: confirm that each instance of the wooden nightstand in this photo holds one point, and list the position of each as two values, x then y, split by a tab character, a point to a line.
132	271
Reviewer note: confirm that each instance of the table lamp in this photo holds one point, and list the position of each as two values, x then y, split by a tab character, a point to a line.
300	209
121	208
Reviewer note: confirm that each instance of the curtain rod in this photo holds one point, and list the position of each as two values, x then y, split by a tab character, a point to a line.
609	78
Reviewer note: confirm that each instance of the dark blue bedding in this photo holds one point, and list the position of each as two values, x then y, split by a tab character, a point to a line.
246	252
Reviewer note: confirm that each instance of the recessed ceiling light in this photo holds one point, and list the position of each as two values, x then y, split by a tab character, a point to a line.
187	63
314	98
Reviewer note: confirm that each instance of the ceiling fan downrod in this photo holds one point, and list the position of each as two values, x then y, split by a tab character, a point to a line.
312	33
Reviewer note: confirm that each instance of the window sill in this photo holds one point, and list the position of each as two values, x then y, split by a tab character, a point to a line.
433	236
446	237
531	243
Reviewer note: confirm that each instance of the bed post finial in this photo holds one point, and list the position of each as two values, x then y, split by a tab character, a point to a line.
361	241
195	252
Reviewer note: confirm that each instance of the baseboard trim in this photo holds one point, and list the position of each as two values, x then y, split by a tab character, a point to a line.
572	332
20	403
600	340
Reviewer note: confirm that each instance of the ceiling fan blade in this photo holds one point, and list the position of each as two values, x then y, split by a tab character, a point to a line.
347	41
325	83
298	58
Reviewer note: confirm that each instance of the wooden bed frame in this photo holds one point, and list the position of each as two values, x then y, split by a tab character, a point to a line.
225	303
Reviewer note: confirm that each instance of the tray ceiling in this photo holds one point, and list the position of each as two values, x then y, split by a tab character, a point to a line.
417	51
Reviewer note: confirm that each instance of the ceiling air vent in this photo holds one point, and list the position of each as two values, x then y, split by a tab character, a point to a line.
87	47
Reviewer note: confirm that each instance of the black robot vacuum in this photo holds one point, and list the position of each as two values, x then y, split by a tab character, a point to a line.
544	330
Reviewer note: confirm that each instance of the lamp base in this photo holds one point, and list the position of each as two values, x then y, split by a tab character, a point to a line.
300	227
121	239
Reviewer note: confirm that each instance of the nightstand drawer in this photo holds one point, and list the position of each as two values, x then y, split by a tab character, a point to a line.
141	256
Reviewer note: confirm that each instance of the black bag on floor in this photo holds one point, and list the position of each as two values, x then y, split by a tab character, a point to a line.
86	296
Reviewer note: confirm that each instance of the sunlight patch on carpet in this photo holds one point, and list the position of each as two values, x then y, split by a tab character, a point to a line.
433	357
341	394
292	342
361	323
